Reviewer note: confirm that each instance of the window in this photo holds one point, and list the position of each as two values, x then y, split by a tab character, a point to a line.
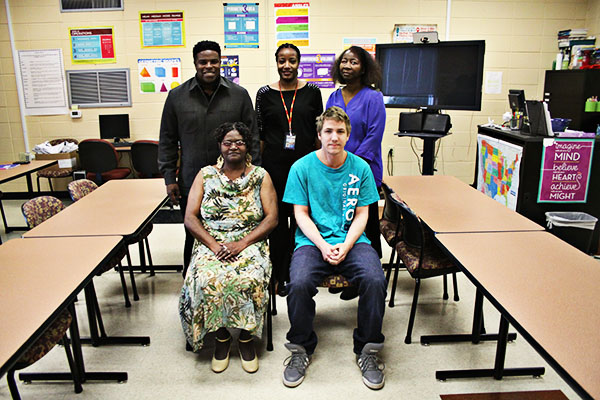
99	88
90	5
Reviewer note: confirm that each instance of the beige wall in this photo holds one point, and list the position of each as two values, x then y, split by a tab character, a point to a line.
520	42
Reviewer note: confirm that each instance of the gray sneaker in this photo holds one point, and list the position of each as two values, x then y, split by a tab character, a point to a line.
370	366
295	365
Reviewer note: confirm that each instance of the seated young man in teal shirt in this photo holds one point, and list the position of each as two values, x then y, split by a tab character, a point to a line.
331	190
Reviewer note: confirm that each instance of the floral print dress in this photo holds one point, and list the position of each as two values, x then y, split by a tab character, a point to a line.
232	294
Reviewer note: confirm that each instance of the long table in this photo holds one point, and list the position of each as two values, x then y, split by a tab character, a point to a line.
547	289
17	172
38	279
448	205
119	207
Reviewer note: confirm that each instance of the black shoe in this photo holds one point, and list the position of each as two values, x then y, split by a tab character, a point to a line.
282	289
335	290
349	293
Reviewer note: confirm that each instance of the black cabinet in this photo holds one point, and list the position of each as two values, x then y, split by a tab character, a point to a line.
566	92
529	179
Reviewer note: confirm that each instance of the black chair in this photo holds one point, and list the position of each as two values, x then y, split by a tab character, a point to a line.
421	257
100	160
144	156
390	227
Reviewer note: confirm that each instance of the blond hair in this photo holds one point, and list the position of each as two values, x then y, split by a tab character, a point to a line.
336	114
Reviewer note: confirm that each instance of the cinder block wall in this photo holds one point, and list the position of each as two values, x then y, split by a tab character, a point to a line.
520	42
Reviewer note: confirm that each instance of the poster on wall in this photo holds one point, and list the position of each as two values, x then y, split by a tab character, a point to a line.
292	23
366	43
498	170
316	68
230	68
162	29
92	45
241	25
403	33
159	75
43	82
565	171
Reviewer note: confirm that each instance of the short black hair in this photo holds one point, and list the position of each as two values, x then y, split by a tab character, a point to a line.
227	127
371	71
287	46
206	45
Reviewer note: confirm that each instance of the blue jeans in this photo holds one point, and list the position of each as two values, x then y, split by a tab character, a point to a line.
362	268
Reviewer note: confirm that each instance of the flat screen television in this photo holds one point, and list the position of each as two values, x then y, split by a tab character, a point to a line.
114	126
437	76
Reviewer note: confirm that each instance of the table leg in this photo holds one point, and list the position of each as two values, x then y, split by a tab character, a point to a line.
102	340
83	376
498	372
477	333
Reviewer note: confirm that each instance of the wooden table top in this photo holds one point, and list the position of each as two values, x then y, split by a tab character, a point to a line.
448	205
37	278
23	169
549	288
119	207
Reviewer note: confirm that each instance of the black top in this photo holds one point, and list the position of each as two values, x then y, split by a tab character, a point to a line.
273	125
188	121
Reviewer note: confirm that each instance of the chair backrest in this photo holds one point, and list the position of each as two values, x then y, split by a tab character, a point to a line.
97	155
80	188
39	209
144	155
391	211
412	228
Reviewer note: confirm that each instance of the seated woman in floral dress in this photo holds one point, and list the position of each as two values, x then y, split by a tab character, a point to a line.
232	207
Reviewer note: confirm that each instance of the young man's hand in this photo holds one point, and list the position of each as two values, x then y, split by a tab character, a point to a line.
338	253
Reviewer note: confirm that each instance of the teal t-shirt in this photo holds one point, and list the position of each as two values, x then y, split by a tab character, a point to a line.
331	194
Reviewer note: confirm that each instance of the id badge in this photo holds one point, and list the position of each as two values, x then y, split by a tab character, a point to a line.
290	141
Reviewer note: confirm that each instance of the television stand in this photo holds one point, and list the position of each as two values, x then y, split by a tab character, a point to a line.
428	148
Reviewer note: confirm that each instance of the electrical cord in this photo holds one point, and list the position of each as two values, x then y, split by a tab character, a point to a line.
390	162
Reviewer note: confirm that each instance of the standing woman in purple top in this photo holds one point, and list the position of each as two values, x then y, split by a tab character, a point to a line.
360	76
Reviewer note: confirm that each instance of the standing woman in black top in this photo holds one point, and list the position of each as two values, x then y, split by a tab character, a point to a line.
287	111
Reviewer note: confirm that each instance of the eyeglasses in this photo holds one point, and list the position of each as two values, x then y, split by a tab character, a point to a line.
238	143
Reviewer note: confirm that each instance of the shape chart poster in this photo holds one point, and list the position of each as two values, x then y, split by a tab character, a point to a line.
498	170
230	68
92	45
316	68
43	82
565	173
291	23
158	75
241	25
162	29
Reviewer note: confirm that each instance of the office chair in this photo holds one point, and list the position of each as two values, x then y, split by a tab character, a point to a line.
53	173
56	333
144	156
39	209
100	160
421	256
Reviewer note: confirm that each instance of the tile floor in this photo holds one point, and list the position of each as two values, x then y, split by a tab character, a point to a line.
164	370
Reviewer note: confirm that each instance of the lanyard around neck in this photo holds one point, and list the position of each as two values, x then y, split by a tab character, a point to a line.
288	115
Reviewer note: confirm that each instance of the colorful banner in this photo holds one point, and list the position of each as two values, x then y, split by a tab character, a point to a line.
92	45
403	33
292	23
230	68
241	24
565	171
366	43
498	169
162	29
316	68
158	75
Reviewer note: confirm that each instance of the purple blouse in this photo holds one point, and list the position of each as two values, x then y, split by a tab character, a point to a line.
367	118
